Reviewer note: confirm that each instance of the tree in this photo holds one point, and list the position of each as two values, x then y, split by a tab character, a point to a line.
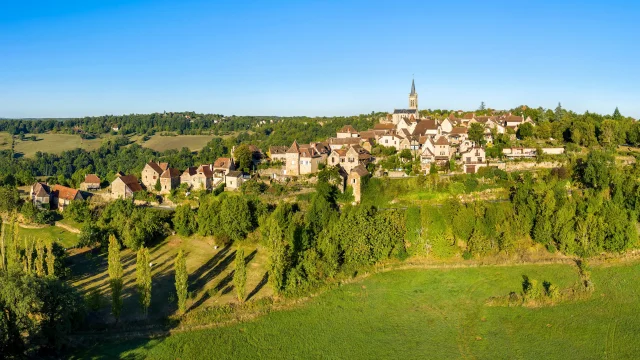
51	259
406	154
143	278
558	113
39	257
525	131
235	217
184	220
157	186
181	281
482	107
597	168
476	133
240	274
611	134
243	157
616	114
433	168
115	277
9	198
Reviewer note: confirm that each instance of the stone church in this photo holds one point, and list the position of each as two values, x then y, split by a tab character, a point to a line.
409	114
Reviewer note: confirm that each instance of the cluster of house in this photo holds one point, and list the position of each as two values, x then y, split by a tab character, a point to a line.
158	175
58	196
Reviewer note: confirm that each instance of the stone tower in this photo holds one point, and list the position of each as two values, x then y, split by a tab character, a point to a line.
413	97
292	167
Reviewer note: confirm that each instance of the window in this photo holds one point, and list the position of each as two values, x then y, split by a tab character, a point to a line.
353	181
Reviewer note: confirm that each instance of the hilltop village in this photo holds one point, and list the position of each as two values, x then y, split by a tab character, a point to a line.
437	144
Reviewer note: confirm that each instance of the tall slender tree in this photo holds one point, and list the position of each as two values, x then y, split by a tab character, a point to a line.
39	257
181	281
115	277
28	254
240	274
143	278
3	253
51	260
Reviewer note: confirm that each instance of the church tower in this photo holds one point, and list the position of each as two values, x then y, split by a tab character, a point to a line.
413	97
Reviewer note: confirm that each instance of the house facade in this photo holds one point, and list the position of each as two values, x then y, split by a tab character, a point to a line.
91	182
151	173
124	186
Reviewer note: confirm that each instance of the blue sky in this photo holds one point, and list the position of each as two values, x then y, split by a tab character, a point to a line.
77	58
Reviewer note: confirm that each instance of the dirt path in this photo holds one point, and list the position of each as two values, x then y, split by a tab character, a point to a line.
67	227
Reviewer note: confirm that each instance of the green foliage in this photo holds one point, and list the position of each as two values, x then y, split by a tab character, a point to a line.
143	278
157	186
253	187
243	157
37	314
181	279
476	133
413	225
115	277
9	198
78	211
184	220
525	131
596	170
240	274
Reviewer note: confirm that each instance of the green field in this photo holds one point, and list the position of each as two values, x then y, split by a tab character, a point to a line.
210	269
55	144
424	314
63	237
162	143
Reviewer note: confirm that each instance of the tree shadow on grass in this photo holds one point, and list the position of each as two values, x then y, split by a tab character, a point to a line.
261	284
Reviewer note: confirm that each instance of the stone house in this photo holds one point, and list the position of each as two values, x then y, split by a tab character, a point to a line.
278	153
339	143
124	186
224	164
355	178
62	196
40	195
349	158
169	180
151	173
302	160
347	131
473	159
233	180
442	149
458	135
91	182
390	140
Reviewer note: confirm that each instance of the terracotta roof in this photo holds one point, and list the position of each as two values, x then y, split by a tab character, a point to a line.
41	189
341	152
308	152
468	116
170	173
459	130
442	141
65	193
277	150
234	174
425	125
384	127
205	170
369	134
164	166
190	171
344	141
513	118
156	167
360	170
294	149
131	182
224	163
347	129
92	179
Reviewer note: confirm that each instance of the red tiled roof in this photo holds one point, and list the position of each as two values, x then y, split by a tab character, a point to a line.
347	129
459	130
442	141
224	163
65	193
92	179
155	166
131	182
205	170
384	127
170	173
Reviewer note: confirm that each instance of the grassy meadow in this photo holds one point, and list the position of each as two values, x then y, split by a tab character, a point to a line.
65	238
162	143
55	144
210	277
419	314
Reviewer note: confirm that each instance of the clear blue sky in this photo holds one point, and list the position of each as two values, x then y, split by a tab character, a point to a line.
77	58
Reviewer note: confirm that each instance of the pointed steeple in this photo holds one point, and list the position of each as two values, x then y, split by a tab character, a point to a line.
413	87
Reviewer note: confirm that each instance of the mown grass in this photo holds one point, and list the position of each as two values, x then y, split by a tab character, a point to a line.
55	144
63	237
210	278
419	314
161	143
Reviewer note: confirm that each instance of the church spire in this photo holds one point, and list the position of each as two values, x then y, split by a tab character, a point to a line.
413	87
413	97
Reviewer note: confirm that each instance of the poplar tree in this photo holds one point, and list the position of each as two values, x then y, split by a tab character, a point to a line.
143	278
39	257
28	254
181	281
115	277
51	260
240	274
